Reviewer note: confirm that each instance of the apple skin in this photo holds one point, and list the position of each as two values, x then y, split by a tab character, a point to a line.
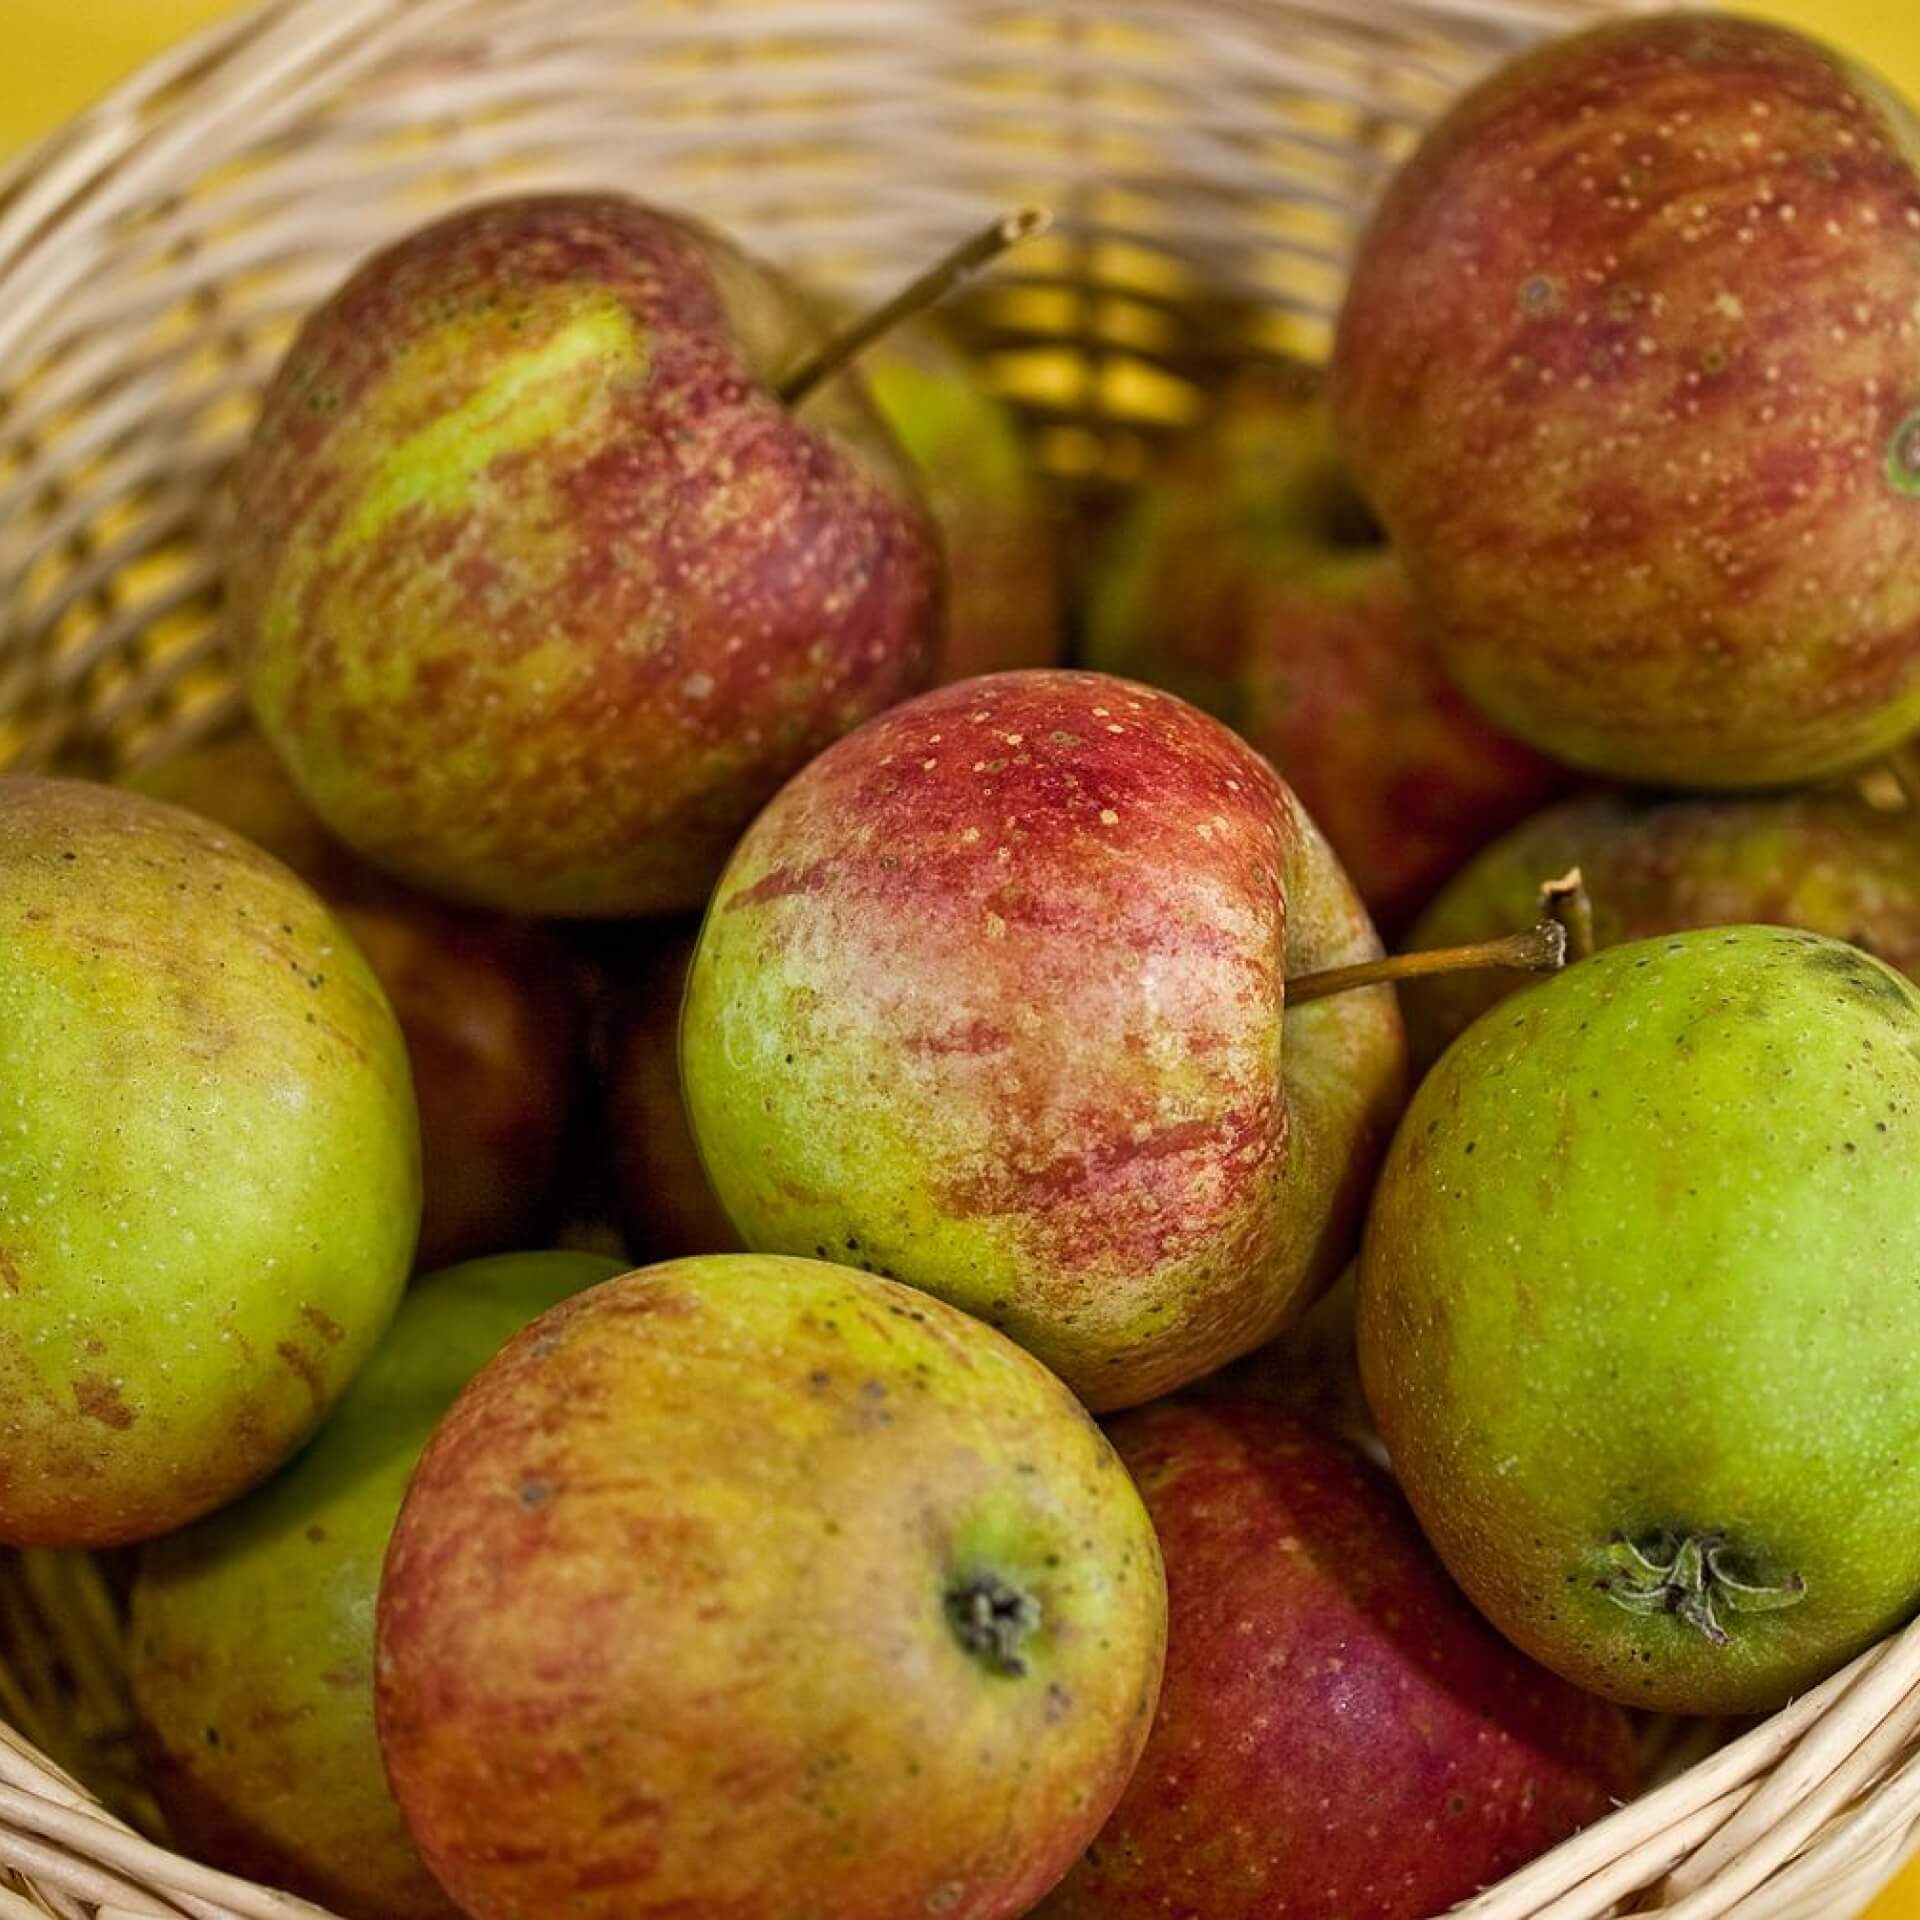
1639	1273
1339	1733
491	1008
1005	591
538	587
1251	580
668	1209
990	1000
669	1620
1825	861
250	1645
1626	368
209	1172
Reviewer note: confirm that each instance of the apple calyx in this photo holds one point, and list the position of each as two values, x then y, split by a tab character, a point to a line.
927	290
1539	949
991	1618
1903	456
1690	1578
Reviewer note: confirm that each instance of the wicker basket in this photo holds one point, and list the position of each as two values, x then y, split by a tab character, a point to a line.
1207	161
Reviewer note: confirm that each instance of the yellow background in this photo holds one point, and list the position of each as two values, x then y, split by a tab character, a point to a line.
58	54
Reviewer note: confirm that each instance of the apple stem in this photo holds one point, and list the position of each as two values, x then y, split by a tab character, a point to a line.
1568	901
1540	949
931	287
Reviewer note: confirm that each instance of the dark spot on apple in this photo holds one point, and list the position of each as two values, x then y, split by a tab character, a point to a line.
329	1329
535	1493
819	1379
99	1399
1539	294
1349	524
316	1534
297	1360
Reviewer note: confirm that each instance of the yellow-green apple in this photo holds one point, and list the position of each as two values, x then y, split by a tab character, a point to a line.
493	1018
1005	603
250	1648
1827	861
1627	366
538	585
990	999
747	1586
209	1164
1339	1732
1251	579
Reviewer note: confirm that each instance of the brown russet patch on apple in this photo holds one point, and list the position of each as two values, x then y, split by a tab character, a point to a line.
324	1324
297	1360
99	1398
782	883
9	1272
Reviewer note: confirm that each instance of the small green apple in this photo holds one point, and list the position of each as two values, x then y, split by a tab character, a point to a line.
209	1164
251	1639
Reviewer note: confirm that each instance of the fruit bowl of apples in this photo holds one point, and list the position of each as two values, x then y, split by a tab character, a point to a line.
717	1197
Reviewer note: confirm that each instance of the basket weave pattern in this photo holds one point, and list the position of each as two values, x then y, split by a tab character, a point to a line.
1208	162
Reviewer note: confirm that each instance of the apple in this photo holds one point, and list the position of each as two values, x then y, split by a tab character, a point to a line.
1637	1314
491	1008
250	1640
209	1164
1626	366
1339	1732
537	584
1827	861
753	1586
1005	598
666	1203
1251	579
991	1000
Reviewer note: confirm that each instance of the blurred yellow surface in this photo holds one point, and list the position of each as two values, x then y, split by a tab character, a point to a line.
59	54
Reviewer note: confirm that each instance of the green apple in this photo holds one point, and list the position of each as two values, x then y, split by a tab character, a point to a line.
1639	1305
1005	603
209	1164
251	1639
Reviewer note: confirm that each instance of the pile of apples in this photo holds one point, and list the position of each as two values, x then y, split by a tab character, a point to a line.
1033	1058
